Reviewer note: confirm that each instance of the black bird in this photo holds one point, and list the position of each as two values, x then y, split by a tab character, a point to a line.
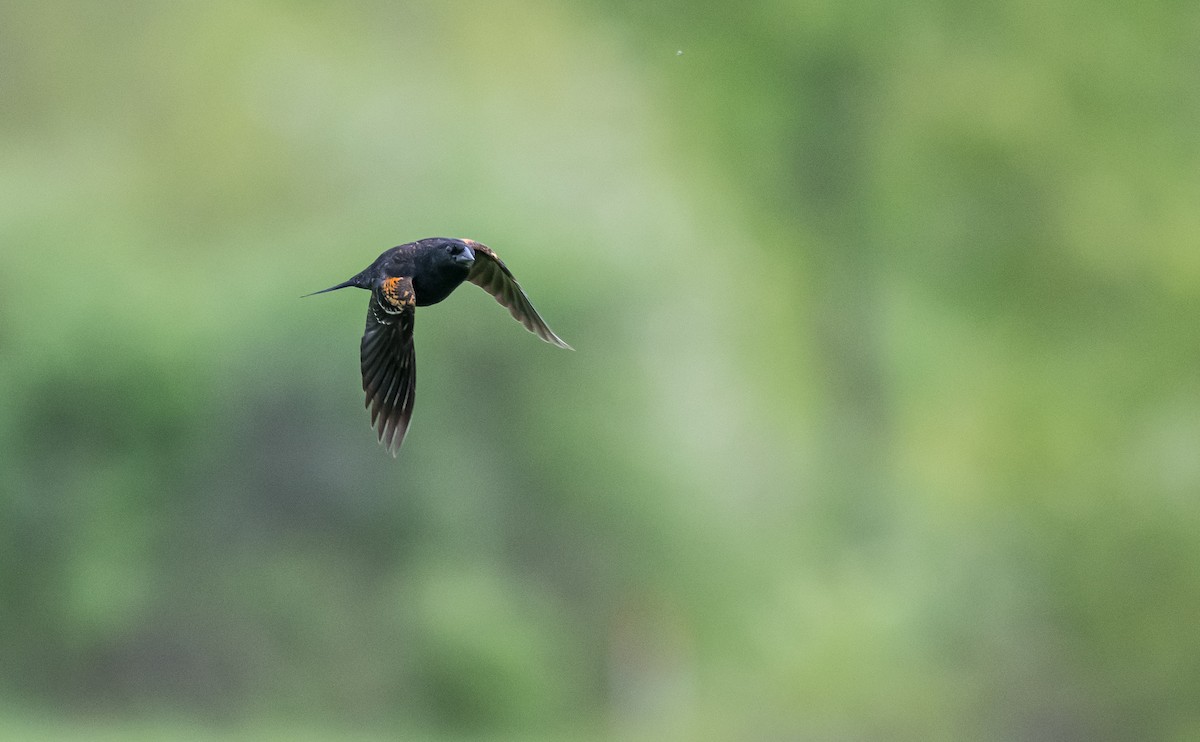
416	275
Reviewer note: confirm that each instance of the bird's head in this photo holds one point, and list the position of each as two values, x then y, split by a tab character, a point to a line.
450	256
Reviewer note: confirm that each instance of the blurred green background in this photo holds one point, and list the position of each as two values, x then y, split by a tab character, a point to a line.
884	422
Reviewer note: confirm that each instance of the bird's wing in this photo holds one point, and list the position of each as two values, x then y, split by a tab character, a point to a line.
388	362
491	274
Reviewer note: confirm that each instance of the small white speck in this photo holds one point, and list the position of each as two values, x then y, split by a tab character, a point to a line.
679	53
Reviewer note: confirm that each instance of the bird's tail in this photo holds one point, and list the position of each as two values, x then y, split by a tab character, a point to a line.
344	284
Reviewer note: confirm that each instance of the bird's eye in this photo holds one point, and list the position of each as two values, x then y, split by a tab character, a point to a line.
455	249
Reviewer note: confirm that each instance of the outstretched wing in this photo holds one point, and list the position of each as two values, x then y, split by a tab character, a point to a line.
489	273
389	368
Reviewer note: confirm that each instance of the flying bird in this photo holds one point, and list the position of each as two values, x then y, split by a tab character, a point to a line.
416	275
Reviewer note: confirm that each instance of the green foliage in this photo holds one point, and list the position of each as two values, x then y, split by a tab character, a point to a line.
883	422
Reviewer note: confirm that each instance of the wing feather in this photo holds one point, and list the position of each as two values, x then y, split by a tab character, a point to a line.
491	274
388	361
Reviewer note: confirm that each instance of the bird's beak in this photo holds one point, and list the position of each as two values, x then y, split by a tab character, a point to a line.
466	257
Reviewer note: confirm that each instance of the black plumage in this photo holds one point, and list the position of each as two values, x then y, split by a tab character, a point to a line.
416	275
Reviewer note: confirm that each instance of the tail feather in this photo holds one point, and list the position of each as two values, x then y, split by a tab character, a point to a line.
344	284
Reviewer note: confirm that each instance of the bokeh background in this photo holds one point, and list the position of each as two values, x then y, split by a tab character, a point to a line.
883	423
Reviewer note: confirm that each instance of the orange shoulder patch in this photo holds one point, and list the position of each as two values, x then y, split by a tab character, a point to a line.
398	292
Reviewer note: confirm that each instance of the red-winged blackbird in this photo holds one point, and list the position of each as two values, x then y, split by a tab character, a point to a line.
416	275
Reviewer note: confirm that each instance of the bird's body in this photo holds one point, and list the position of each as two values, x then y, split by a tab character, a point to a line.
419	274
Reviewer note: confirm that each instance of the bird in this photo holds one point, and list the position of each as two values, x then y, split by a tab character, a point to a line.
418	274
